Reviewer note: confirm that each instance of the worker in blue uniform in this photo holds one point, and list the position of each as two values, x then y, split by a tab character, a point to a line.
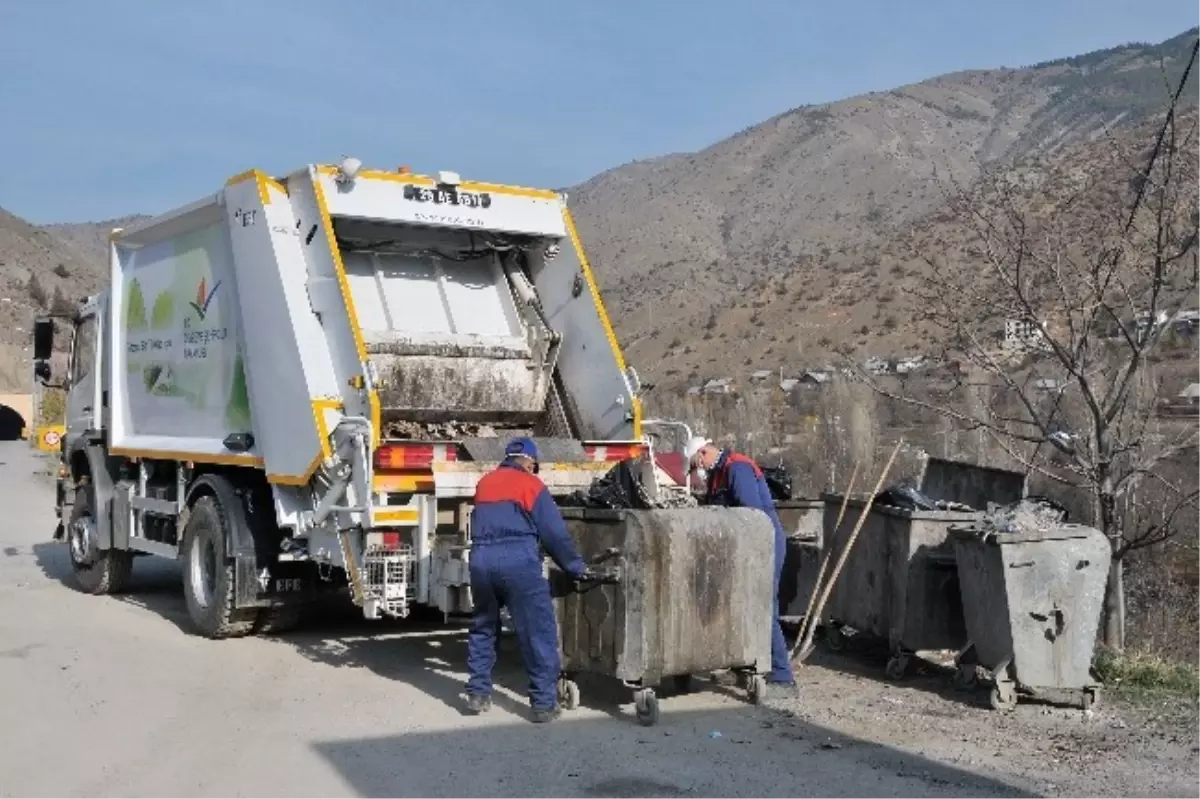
734	480
514	518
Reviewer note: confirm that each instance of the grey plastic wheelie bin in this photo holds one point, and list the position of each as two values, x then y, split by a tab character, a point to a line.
1032	602
687	591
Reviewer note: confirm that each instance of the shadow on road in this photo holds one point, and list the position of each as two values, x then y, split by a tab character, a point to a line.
431	655
156	584
866	657
422	651
759	753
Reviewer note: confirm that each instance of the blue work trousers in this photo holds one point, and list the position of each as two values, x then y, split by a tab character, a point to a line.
508	573
781	665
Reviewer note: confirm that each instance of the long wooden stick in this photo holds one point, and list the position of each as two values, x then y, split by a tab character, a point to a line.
862	518
807	624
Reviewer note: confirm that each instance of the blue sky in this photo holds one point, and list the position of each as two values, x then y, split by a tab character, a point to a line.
122	106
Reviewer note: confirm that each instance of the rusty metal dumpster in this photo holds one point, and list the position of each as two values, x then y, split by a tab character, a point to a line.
1032	601
688	597
900	582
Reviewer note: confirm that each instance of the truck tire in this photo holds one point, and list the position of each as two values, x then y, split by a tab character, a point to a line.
96	571
208	578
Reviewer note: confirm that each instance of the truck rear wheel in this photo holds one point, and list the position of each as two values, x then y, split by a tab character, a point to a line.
208	578
97	571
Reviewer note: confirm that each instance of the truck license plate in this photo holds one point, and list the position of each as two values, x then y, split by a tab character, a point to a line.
447	196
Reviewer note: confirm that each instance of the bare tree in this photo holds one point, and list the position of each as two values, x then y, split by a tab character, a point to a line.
1087	266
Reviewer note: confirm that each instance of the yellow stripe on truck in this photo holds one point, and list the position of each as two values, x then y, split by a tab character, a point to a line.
193	457
609	333
466	185
339	269
263	181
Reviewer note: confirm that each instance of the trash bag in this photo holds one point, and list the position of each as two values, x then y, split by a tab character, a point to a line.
905	497
779	481
621	488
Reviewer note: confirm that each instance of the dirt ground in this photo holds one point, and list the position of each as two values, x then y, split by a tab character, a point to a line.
1126	746
105	696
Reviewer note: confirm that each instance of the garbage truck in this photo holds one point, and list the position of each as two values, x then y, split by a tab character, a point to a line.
292	385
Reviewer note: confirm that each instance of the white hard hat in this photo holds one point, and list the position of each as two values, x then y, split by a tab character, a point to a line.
694	445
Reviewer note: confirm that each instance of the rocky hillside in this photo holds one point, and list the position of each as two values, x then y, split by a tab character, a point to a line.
43	269
778	245
685	243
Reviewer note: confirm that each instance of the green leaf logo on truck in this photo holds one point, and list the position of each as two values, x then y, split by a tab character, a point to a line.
203	298
135	307
163	312
237	410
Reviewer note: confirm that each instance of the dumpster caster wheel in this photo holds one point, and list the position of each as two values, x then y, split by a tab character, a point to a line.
835	639
568	694
966	677
1089	698
758	689
1003	696
897	667
647	707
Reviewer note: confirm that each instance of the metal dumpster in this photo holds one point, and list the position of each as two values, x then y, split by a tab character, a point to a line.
798	579
900	582
1032	602
692	595
803	520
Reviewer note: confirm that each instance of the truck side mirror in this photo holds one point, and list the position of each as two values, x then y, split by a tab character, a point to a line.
43	339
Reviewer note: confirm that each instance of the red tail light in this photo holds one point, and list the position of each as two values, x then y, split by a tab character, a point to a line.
611	453
413	456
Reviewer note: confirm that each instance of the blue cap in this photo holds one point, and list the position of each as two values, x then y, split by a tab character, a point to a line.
522	446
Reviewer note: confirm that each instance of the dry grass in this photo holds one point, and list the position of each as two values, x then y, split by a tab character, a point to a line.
1145	672
53	409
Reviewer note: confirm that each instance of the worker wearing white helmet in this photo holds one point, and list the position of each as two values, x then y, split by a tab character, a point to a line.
734	480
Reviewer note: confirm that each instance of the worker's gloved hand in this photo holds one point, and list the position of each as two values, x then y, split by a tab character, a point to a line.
591	575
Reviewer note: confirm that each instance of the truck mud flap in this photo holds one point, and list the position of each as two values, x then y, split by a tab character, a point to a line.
252	556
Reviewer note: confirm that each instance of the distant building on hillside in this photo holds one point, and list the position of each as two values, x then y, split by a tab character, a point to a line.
1024	334
720	385
761	376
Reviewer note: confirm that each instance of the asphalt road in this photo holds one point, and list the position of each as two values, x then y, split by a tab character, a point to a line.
114	696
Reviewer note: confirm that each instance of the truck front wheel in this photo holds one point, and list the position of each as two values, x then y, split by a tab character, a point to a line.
208	576
97	571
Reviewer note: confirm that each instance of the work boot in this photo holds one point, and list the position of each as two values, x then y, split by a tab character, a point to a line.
541	715
781	690
477	704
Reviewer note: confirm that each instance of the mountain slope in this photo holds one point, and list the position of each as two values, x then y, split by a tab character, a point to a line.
679	239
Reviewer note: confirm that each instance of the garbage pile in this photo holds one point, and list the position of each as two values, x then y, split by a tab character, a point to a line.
621	488
437	431
1040	514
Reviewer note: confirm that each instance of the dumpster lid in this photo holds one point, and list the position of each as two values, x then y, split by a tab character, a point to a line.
1060	532
859	502
594	514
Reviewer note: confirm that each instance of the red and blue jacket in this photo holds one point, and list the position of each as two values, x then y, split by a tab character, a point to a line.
737	482
513	505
